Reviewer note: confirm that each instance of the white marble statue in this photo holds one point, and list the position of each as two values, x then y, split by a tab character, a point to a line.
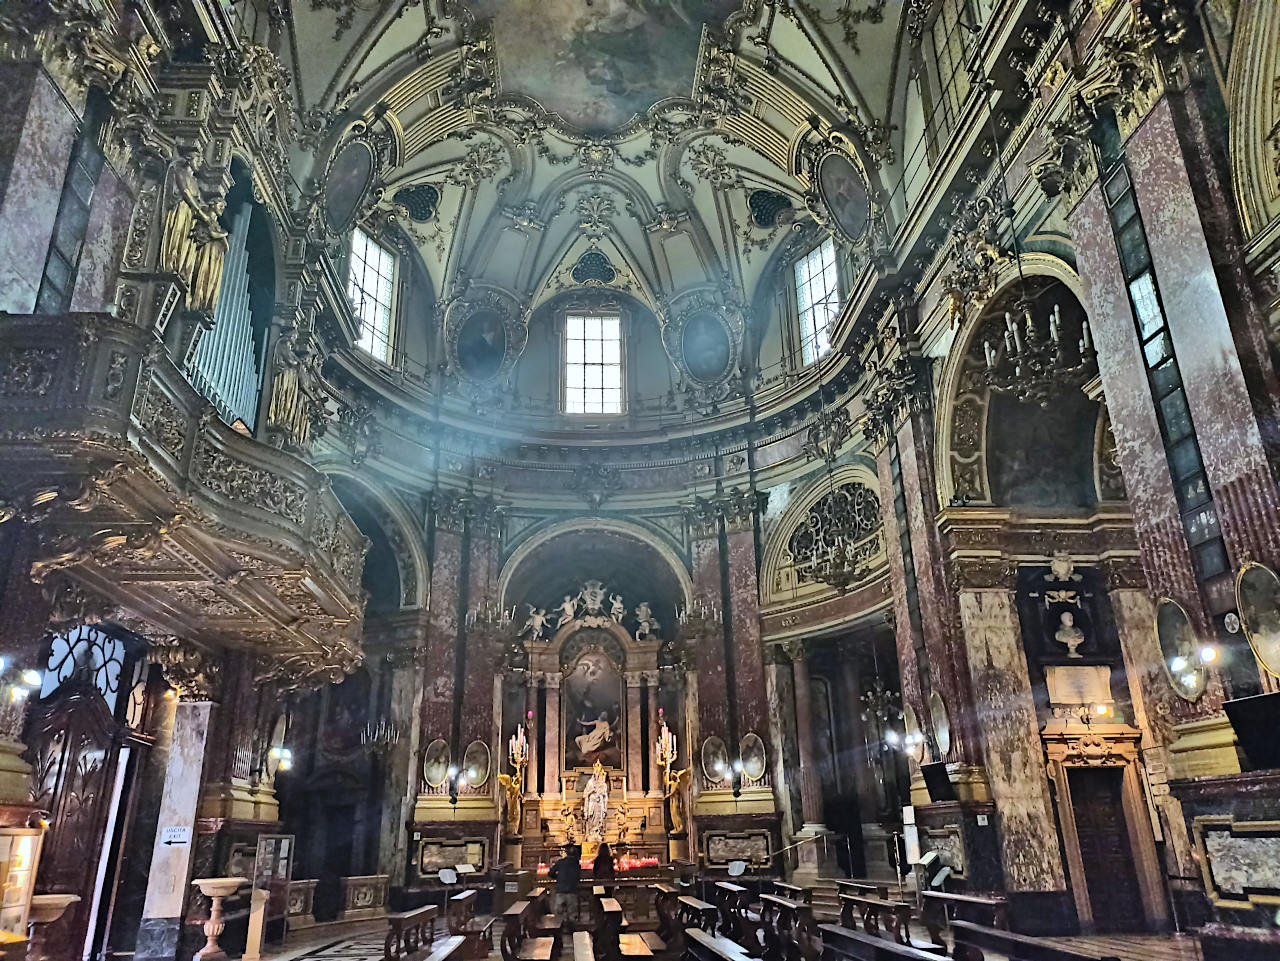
617	610
1069	635
536	624
568	609
646	623
595	804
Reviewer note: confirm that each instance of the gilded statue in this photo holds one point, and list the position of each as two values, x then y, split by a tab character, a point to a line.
674	793
513	788
194	245
622	823
570	821
296	393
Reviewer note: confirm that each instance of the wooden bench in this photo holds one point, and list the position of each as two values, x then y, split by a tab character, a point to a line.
877	889
784	925
666	907
478	932
696	913
582	949
876	913
611	943
941	907
520	940
449	949
732	901
410	934
971	940
792	892
701	946
844	943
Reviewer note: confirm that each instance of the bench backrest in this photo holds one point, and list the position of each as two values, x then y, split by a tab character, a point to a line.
844	943
446	949
700	946
1017	947
582	949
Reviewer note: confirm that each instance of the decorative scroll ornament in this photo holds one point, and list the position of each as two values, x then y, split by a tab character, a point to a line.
195	674
976	256
839	540
896	388
485	335
827	434
736	507
596	483
703	338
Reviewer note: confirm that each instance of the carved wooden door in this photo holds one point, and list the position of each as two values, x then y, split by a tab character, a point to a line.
74	746
1104	847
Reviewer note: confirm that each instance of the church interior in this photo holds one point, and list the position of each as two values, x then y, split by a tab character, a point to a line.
704	480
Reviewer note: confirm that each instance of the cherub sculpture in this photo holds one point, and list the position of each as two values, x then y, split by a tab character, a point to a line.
646	624
617	610
568	609
536	625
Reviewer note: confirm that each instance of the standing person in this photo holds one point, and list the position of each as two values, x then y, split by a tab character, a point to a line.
567	872
603	870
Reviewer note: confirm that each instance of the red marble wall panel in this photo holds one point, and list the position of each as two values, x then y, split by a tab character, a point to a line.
1230	441
713	697
483	648
748	649
908	669
442	627
37	130
104	244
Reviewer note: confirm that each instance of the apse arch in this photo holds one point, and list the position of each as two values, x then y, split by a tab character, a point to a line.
527	576
961	425
396	526
778	582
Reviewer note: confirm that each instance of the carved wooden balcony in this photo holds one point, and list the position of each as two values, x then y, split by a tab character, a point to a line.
182	525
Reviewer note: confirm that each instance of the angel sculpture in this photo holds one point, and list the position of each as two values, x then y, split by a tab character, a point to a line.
536	625
512	788
647	625
674	793
568	609
570	821
617	610
623	825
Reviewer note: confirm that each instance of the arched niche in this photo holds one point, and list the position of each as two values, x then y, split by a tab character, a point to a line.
628	559
994	449
1255	113
779	583
396	571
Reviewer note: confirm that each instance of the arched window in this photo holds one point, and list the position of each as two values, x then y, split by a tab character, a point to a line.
371	289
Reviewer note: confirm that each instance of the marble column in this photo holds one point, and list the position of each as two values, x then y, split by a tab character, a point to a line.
552	760
531	732
169	878
1016	771
810	785
442	624
635	741
655	772
39	130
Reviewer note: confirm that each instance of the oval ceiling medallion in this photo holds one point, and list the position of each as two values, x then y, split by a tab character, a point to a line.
844	191
482	344
346	183
706	347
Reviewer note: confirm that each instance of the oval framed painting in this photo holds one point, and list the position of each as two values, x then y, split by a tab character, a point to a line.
706	347
844	192
482	344
1180	649
715	760
1258	601
435	763
347	182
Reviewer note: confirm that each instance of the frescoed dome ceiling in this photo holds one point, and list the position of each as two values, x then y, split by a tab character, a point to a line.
599	64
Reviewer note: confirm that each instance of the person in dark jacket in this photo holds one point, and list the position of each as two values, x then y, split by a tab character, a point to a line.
603	869
566	873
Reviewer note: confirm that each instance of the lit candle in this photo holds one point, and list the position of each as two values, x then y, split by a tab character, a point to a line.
991	355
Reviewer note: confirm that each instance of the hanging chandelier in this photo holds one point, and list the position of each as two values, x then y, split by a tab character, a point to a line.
1035	362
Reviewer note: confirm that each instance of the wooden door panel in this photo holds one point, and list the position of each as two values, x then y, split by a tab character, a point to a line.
1103	832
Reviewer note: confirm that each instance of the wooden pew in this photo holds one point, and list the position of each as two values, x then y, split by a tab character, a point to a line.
520	940
876	913
843	943
696	913
410	934
701	946
940	907
463	921
877	889
448	949
582	949
972	940
666	907
781	920
611	944
792	892
731	899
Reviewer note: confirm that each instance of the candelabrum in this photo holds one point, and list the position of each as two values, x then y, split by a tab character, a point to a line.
1037	366
490	614
700	609
380	736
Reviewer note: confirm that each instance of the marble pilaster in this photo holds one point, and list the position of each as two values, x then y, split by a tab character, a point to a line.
39	130
103	248
748	647
810	785
169	878
1015	768
531	730
635	739
442	631
655	772
709	653
552	761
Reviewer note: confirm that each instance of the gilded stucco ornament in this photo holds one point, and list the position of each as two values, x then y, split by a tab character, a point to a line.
702	335
194	673
485	332
977	253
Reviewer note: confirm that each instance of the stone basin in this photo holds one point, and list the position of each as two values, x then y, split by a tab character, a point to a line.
49	907
219	887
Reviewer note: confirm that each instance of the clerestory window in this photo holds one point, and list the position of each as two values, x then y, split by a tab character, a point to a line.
592	363
371	290
817	299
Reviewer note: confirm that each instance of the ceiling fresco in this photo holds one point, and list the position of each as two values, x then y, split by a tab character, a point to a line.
598	63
